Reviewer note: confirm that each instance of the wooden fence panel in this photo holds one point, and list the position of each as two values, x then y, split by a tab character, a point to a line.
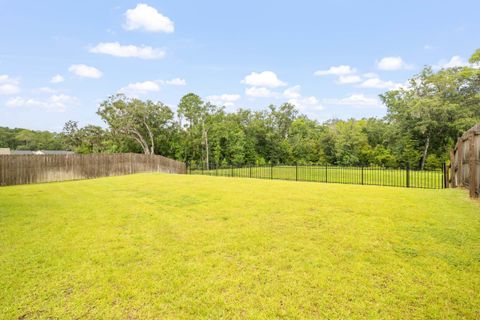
465	162
25	169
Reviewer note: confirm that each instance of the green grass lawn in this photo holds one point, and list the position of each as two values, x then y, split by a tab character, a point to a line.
156	246
432	179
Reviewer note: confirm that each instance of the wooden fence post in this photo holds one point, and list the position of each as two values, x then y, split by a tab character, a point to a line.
473	166
460	154
452	170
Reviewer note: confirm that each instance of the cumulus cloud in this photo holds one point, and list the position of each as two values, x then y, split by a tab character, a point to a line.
176	82
128	51
140	88
340	70
85	71
144	87
310	103
455	61
295	97
380	84
57	79
147	18
226	99
349	79
355	100
292	92
54	103
370	75
263	79
44	90
259	92
8	85
392	63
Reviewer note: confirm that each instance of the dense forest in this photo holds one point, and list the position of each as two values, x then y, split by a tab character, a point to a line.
422	124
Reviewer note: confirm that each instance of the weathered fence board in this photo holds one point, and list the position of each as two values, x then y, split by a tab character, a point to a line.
25	169
465	162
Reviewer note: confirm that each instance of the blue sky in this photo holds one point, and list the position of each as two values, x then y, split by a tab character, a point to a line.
59	59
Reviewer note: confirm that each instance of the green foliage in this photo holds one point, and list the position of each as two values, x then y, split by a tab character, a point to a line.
24	139
134	119
475	58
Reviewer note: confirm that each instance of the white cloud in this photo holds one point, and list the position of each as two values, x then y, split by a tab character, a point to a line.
294	97
148	18
369	75
292	93
8	85
380	84
259	92
455	61
355	100
44	90
54	103
57	79
138	88
128	51
349	79
85	71
263	79
141	88
392	63
340	70
224	99
307	103
176	82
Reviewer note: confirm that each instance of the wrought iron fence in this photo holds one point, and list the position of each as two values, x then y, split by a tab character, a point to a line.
363	175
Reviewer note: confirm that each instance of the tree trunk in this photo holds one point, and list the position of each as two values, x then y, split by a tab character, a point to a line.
152	143
425	152
137	136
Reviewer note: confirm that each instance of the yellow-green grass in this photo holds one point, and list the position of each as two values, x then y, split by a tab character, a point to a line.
334	174
157	246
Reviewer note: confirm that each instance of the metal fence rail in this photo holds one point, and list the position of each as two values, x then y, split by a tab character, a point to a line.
363	175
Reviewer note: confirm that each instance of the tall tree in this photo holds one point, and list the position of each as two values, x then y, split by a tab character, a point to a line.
136	119
436	107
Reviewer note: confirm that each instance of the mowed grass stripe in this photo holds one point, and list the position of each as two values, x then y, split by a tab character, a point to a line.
152	246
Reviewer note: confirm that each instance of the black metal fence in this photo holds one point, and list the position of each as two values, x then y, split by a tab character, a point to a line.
364	175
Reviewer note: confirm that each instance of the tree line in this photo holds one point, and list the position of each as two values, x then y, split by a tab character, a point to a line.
422	124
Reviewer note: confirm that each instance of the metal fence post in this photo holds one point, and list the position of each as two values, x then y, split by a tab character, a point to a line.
326	172
296	171
362	174
408	174
250	170
445	176
271	171
231	170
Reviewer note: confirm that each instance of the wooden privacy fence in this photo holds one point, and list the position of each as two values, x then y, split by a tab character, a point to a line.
465	162
25	169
